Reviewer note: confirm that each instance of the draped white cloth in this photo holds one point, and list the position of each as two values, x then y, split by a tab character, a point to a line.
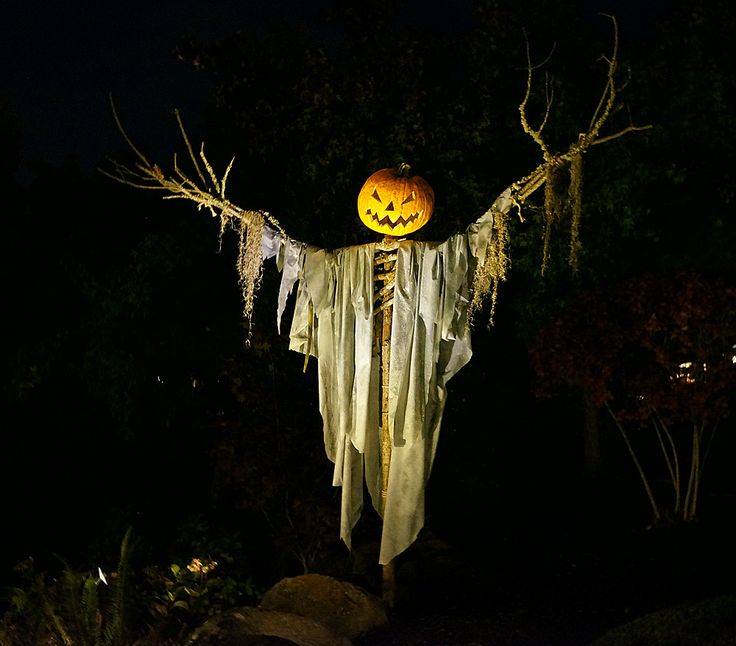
430	342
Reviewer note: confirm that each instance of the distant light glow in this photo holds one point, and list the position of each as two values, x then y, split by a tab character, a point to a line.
683	374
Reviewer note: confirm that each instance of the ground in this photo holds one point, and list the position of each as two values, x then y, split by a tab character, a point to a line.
555	589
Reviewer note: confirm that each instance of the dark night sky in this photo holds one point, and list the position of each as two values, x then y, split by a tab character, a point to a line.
61	60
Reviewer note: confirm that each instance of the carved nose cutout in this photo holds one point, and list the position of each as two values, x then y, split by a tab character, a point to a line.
390	206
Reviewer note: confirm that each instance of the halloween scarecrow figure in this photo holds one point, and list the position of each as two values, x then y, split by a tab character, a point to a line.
388	325
387	322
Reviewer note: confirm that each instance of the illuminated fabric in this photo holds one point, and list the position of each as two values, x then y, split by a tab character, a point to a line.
430	342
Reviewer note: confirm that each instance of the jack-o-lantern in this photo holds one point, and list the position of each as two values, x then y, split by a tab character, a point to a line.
395	203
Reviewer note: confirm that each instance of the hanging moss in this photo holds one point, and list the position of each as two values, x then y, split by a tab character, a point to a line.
492	270
249	263
575	201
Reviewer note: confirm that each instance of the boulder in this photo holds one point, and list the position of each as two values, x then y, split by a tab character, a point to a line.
341	606
709	622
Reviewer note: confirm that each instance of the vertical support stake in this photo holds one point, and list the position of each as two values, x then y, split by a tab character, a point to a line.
386	304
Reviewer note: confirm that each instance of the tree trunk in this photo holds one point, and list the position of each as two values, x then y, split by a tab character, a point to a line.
592	456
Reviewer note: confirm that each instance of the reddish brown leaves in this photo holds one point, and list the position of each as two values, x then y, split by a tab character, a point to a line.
663	343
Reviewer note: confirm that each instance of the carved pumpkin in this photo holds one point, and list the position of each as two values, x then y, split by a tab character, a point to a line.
395	203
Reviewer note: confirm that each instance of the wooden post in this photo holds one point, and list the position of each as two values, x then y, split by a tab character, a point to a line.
389	579
384	297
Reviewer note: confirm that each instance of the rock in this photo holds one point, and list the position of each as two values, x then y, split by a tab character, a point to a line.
257	627
345	608
710	622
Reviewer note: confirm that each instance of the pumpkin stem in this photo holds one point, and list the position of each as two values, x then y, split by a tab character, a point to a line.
403	169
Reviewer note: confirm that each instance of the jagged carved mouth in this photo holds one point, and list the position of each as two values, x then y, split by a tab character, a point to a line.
387	220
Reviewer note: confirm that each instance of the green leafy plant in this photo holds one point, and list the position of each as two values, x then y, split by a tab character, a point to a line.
187	593
77	608
177	597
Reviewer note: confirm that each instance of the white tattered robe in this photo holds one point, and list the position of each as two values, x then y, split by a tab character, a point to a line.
430	342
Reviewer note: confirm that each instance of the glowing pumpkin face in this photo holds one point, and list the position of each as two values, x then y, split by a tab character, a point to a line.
394	203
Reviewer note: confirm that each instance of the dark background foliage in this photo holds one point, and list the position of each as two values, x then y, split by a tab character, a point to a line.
128	396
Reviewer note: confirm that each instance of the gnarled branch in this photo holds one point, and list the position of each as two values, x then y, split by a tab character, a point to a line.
546	174
206	191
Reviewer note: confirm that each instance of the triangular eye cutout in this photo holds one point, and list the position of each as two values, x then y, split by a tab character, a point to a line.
410	198
375	195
